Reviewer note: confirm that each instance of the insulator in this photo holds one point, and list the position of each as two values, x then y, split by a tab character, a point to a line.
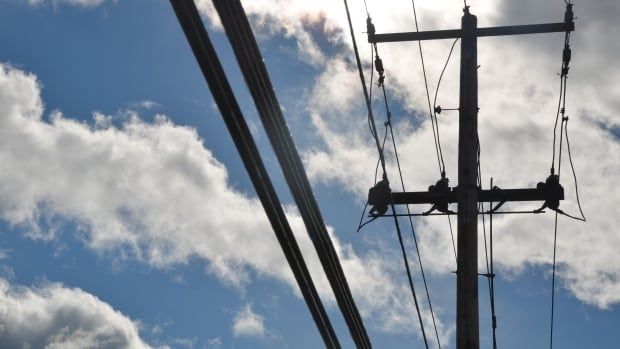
379	198
381	80
442	189
379	65
370	28
569	15
553	191
566	54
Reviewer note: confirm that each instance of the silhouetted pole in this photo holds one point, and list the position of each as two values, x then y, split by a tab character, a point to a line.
468	194
467	334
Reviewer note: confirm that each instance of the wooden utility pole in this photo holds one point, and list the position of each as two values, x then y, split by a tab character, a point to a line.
467	222
468	194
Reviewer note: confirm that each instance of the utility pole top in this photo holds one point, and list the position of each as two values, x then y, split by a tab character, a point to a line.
468	193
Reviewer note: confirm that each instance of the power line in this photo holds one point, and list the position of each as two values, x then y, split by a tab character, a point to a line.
563	76
223	95
382	159
434	123
443	70
492	272
435	114
570	158
415	240
388	124
566	57
555	237
255	73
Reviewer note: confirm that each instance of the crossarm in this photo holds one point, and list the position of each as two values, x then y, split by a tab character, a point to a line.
480	32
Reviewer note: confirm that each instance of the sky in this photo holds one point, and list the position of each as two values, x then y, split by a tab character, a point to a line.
127	219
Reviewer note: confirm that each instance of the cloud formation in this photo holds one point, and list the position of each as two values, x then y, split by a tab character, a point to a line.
54	316
248	323
153	192
518	91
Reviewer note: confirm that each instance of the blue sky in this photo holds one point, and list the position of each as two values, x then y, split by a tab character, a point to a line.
124	184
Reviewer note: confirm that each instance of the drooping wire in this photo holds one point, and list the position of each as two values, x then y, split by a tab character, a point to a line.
434	123
441	77
435	116
382	159
570	158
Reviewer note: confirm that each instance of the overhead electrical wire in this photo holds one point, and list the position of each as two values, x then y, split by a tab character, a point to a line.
435	115
416	245
561	112
223	95
254	71
388	124
492	277
415	240
382	159
438	149
555	238
434	123
570	158
566	57
443	70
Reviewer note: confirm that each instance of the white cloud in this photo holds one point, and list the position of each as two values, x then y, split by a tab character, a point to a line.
152	192
301	21
54	316
248	323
